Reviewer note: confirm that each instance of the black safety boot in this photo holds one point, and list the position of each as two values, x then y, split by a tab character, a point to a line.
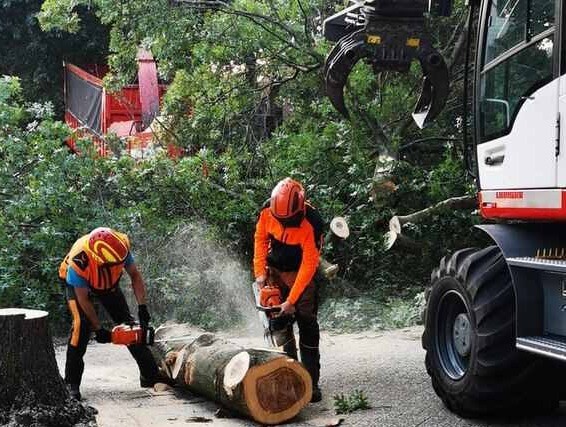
74	391
310	357
316	394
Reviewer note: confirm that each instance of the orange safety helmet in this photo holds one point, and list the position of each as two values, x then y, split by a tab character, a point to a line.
109	246
287	199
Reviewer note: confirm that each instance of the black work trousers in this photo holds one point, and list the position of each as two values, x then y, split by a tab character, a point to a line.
306	317
115	304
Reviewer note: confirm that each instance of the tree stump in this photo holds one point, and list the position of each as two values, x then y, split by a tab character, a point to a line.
264	385
31	390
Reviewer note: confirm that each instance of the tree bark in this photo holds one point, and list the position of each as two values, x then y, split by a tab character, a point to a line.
31	390
261	384
400	241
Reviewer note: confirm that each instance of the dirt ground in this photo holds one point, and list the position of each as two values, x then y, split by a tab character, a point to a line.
387	366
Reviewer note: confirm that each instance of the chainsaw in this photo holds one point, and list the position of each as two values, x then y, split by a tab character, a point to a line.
135	334
275	326
132	334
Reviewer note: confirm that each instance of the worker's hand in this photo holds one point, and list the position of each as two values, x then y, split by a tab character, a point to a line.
143	315
287	308
103	336
260	281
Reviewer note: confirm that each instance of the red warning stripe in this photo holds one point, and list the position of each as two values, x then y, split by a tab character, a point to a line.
523	205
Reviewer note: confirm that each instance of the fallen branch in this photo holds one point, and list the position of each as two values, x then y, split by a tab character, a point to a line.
395	237
400	241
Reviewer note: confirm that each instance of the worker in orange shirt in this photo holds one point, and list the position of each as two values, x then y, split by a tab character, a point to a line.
92	270
288	240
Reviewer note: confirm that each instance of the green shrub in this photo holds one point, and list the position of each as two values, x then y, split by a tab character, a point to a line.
357	400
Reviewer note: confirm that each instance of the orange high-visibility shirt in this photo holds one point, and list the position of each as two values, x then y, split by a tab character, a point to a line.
288	248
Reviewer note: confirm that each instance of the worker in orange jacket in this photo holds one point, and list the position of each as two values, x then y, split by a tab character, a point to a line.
92	269
288	240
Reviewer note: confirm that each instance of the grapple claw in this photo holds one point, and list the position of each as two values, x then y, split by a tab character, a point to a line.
388	34
338	66
435	89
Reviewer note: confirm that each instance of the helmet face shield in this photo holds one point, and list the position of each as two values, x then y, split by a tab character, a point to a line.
287	200
109	246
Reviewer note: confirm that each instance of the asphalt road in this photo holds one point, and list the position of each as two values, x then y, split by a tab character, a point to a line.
387	366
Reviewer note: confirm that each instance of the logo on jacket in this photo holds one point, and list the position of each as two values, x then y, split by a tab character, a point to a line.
81	260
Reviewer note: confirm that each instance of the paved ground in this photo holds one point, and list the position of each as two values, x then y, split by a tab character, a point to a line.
387	366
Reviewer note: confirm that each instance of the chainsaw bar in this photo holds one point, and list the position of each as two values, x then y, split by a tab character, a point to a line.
176	339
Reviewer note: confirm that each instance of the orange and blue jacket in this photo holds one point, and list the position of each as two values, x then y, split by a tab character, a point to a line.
82	268
289	248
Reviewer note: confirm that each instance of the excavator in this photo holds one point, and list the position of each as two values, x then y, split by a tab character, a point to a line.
495	323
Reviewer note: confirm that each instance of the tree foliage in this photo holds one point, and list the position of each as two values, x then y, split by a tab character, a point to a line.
36	56
246	100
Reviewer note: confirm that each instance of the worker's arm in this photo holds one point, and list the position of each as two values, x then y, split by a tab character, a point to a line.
261	246
81	294
78	285
307	270
139	291
138	284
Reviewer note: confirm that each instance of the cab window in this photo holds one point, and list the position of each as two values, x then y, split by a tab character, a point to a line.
517	60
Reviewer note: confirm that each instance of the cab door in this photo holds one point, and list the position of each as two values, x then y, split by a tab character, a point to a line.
517	95
561	120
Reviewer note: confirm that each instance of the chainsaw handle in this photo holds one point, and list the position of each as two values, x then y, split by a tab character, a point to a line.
268	310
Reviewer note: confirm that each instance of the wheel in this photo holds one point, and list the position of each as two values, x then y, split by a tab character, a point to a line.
469	340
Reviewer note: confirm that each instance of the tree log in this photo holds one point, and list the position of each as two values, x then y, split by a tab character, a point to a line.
261	384
31	390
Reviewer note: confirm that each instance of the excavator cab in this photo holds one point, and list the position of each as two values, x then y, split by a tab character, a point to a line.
389	35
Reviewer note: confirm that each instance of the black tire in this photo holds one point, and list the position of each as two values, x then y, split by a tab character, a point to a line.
469	340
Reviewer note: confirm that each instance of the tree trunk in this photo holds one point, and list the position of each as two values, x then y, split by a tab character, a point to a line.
31	390
261	384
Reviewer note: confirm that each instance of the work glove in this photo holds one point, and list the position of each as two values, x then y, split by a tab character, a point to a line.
287	309
103	336
143	315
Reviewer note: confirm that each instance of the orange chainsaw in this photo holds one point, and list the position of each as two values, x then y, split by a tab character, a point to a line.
132	333
275	326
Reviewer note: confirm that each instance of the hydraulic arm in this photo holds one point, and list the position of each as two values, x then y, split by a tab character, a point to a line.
389	35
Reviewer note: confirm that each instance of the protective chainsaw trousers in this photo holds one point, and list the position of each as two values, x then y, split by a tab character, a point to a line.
115	304
307	322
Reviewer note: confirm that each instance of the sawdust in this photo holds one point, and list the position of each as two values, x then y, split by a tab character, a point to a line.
193	278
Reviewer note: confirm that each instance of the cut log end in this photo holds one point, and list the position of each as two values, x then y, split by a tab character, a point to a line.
389	240
178	362
235	371
330	271
395	225
276	391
